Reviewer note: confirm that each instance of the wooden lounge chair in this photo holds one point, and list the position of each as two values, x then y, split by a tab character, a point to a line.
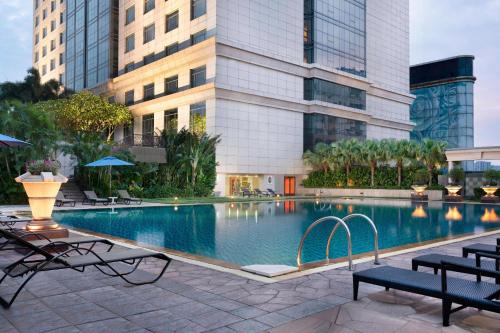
478	247
466	293
39	259
127	199
93	199
61	200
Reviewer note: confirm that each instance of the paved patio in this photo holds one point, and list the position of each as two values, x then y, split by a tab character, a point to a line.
195	299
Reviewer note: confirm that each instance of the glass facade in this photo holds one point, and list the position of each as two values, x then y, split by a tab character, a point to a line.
91	42
330	92
170	118
335	34
445	112
327	129
197	117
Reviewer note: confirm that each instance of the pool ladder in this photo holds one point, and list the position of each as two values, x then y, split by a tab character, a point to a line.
340	222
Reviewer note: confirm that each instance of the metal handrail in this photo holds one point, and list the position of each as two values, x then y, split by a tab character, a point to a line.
374	229
316	223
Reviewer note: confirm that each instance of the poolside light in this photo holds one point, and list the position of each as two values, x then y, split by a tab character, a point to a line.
176	208
490	216
419	189
176	198
419	212
277	196
453	214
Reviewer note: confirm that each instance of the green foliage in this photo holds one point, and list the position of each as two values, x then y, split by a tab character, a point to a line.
23	122
37	167
421	177
342	161
85	112
457	175
492	176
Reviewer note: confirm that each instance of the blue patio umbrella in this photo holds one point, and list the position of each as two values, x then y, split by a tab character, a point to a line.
109	161
7	141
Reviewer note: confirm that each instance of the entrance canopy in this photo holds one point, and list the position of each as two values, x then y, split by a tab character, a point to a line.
473	154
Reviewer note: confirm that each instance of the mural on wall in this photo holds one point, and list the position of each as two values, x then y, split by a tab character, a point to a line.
444	112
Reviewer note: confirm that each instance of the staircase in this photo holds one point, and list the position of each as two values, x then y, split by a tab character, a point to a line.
72	191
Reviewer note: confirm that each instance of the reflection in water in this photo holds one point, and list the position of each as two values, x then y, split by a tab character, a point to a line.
490	216
419	212
350	209
339	207
453	214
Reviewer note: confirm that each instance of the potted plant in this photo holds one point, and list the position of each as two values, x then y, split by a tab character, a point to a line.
457	175
491	187
42	182
420	182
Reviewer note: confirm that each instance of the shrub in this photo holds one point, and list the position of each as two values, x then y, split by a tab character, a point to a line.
457	175
491	176
421	177
37	167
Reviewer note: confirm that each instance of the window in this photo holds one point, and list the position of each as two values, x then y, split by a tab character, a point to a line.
44	14
37	39
330	92
36	56
44	69
171	85
148	59
198	76
36	4
37	21
197	118
149	92
129	97
44	32
52	64
198	8
61	58
61	17
171	49
130	15
198	37
129	43
149	5
170	120
129	67
149	33
61	78
52	25
172	21
53	45
44	51
148	130
61	38
52	6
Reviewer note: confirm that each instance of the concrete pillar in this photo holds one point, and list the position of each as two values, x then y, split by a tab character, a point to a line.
450	167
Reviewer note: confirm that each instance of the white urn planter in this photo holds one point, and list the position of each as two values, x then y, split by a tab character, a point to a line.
490	190
42	191
453	190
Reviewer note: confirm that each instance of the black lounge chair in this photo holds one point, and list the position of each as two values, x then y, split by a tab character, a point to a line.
490	268
61	200
478	247
450	290
39	259
272	193
127	199
246	192
259	193
93	199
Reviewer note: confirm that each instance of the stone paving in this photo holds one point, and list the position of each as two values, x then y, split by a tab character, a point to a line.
191	298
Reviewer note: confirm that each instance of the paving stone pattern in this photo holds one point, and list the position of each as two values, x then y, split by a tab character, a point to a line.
190	298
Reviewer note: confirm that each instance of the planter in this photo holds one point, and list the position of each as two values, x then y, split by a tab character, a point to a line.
490	190
41	191
419	194
453	190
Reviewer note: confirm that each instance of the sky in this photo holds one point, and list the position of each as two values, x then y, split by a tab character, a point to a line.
438	29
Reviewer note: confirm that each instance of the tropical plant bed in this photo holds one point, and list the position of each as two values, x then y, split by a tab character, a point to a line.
369	192
208	200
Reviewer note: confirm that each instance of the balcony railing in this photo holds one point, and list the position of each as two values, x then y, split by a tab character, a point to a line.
147	140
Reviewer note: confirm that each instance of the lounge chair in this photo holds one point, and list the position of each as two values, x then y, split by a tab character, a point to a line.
478	247
450	290
246	192
272	193
127	199
259	193
93	199
39	259
61	200
10	221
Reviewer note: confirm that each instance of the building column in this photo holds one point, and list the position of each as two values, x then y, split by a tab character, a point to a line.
450	167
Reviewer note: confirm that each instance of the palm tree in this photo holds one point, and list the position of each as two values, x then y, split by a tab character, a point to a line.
401	151
432	154
372	152
348	153
318	158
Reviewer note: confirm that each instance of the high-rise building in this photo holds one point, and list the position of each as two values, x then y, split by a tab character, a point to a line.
444	105
273	78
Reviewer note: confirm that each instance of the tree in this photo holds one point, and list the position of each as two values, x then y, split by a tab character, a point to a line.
401	151
372	152
348	153
432	154
318	159
31	90
88	113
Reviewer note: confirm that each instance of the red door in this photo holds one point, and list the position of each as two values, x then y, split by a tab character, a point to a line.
289	186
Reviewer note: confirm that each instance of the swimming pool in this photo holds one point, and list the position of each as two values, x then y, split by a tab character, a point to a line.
269	232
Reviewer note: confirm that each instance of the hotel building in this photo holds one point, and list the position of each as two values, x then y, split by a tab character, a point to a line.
272	78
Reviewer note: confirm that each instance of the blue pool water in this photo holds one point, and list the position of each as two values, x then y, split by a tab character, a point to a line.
270	232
